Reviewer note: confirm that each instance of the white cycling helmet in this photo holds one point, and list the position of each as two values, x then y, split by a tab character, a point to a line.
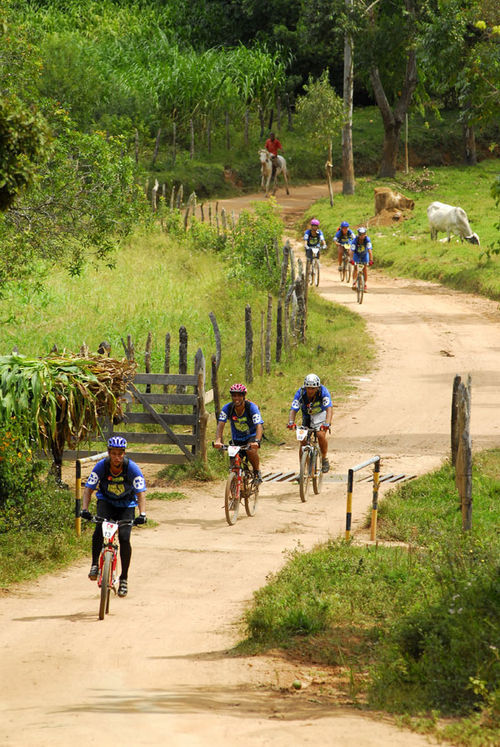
312	380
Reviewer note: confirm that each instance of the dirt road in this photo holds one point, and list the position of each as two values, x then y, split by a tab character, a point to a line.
159	670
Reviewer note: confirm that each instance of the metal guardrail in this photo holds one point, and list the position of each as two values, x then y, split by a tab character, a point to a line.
350	481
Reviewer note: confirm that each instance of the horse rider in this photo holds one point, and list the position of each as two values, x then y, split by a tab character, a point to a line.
273	145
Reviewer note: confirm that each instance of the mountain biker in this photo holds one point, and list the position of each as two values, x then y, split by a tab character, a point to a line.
273	145
120	487
315	403
246	425
344	237
361	251
313	238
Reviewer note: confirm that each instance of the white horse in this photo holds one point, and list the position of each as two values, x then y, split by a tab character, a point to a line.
266	170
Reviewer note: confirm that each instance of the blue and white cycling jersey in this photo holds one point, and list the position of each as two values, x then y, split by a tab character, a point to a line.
344	238
317	240
321	402
120	490
244	426
361	249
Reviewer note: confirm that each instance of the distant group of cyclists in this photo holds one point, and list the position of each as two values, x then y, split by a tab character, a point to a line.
358	244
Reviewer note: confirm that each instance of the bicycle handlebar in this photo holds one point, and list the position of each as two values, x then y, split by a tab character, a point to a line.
120	522
224	447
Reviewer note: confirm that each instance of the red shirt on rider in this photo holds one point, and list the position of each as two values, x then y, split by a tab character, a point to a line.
273	145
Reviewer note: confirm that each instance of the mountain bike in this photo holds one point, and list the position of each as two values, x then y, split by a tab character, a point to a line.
360	281
241	484
314	266
107	579
345	266
310	462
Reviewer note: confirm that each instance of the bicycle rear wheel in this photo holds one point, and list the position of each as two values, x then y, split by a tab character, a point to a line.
305	473
360	288
317	474
105	585
250	494
232	498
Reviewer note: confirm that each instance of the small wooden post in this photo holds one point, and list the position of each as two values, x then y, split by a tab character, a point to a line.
215	387
218	346
166	365
262	315
268	332
248	345
200	429
157	146
147	359
455	438
183	347
279	330
376	481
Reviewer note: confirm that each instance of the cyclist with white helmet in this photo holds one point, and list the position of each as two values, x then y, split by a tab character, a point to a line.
246	425
314	238
121	487
314	401
344	237
361	251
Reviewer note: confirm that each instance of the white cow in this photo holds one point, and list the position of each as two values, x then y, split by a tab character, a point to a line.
450	219
266	170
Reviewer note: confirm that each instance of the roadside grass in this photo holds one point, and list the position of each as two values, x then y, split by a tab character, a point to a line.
412	629
171	495
404	248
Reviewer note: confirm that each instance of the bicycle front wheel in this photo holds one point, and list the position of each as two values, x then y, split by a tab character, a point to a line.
305	473
348	268
317	473
251	494
105	585
232	498
360	288
315	271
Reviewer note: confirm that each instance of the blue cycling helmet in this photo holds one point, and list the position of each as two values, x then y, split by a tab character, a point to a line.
344	224
117	442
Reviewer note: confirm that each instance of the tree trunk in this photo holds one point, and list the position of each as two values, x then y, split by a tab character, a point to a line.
347	156
469	138
393	119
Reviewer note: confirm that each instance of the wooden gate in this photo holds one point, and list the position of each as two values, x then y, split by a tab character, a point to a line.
170	411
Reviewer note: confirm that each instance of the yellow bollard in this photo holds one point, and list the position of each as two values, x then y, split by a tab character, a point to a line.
78	498
348	516
376	479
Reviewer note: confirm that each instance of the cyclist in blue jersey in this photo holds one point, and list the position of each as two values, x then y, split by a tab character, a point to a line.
361	251
343	237
314	238
121	487
315	403
246	425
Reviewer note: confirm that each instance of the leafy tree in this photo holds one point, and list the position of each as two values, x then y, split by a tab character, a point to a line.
460	57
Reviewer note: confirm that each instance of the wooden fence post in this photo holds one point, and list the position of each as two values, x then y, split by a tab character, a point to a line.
279	330
166	366
200	429
183	347
218	346
157	146
147	359
248	345
268	332
463	467
454	419
215	387
301	304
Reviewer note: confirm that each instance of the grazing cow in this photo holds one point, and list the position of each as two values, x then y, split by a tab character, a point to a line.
386	199
266	170
450	219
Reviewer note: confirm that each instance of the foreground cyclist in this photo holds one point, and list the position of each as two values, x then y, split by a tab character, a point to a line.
246	425
361	249
315	403
343	237
120	487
